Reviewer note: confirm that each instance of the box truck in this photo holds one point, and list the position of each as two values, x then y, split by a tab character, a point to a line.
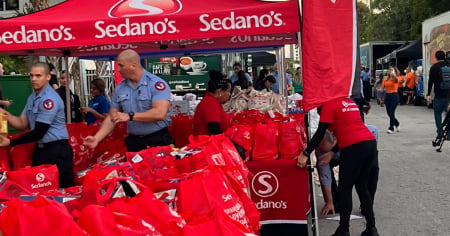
435	36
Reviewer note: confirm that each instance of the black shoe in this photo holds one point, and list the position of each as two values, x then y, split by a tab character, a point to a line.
370	232
340	232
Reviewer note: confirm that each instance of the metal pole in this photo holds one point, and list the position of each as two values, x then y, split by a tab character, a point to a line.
313	219
68	80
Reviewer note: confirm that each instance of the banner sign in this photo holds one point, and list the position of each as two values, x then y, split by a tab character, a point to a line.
280	190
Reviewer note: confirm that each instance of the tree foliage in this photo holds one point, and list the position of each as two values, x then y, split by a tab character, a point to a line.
397	19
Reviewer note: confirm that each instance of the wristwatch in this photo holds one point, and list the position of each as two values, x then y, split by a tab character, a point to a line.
131	114
306	153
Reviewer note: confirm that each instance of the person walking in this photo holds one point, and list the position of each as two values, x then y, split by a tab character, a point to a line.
441	97
391	100
44	116
98	106
358	150
141	100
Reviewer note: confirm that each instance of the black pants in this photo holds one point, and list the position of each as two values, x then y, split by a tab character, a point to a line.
391	101
57	153
367	90
136	143
358	162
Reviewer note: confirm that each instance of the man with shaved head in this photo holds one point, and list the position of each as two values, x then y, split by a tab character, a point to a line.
141	100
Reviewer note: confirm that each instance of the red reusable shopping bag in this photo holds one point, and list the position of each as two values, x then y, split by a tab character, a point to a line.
39	217
145	206
36	179
290	141
10	189
93	182
181	129
217	224
81	155
5	161
242	135
266	141
99	220
21	155
212	190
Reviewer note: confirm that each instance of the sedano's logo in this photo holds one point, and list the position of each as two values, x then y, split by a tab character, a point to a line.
265	184
128	28
40	177
24	35
127	8
240	22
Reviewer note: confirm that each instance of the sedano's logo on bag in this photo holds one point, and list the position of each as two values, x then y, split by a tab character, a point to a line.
265	184
40	178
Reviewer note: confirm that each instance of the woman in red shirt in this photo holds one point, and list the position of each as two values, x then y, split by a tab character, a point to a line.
209	117
358	161
391	99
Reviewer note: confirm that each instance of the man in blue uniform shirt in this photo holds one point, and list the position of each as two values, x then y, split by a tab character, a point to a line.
44	116
141	100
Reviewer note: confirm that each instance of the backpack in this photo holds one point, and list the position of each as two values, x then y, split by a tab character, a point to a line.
445	83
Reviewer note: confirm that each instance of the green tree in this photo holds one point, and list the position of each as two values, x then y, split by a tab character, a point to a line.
397	19
363	15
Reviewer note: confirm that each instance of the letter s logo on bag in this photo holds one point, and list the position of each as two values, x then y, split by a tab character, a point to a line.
265	184
40	177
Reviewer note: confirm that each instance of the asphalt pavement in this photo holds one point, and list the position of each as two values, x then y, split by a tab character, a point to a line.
413	196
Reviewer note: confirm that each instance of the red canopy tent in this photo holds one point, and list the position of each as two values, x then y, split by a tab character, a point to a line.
92	28
83	28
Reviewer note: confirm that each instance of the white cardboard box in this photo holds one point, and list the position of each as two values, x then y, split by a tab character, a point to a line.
179	107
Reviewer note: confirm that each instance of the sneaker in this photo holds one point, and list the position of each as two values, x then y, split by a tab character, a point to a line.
370	232
397	128
340	232
389	131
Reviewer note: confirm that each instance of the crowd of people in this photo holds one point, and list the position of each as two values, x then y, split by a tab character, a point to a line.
142	101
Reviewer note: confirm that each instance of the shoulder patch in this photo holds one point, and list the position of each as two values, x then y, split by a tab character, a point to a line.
160	86
48	104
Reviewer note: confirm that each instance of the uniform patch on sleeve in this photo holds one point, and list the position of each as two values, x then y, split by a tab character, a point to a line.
160	86
48	104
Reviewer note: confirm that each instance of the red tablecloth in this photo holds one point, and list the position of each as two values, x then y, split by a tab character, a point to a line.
280	190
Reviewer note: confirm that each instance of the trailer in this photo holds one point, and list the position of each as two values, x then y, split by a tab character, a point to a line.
435	36
371	51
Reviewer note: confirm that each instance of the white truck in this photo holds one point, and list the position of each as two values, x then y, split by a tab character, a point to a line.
435	36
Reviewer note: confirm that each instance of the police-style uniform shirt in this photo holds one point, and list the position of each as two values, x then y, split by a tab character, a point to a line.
127	98
47	107
100	104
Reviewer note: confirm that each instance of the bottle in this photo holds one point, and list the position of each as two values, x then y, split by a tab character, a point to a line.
3	124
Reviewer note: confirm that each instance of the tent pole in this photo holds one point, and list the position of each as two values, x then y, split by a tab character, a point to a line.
313	217
68	81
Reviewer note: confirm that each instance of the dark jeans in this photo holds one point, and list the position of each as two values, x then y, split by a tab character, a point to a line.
367	88
136	143
391	102
57	153
439	106
358	162
400	95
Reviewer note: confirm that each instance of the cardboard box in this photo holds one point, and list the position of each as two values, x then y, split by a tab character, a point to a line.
179	107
